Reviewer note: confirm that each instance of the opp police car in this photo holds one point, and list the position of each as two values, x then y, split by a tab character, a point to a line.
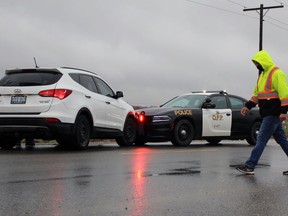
211	116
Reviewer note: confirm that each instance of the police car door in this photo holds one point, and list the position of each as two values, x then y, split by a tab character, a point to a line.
217	121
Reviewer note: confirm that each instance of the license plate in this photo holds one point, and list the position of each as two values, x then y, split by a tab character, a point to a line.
18	99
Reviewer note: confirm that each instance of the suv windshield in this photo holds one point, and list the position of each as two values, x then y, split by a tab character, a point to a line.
186	101
26	78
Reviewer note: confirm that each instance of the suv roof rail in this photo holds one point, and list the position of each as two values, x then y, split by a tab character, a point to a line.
204	91
78	69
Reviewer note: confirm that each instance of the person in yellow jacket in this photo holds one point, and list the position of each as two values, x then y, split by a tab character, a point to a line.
271	95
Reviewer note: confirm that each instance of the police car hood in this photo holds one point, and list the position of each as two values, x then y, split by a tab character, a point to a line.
159	110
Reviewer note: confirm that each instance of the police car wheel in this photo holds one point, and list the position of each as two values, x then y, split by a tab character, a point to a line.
251	139
182	133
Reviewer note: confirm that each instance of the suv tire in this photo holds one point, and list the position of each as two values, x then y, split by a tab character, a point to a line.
80	137
129	133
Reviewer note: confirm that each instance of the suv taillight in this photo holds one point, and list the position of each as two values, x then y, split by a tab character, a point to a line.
58	93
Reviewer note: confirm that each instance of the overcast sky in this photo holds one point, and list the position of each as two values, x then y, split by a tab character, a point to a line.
152	50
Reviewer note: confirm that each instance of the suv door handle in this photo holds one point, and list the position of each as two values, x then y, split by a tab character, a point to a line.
87	96
107	102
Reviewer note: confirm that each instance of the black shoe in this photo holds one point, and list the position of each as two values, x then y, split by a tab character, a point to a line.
246	170
285	173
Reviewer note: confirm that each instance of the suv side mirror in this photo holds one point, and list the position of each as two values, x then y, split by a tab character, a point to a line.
119	94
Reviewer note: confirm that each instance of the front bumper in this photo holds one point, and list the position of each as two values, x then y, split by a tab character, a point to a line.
155	131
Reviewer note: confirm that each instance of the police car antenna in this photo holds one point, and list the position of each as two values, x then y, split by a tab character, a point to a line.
35	63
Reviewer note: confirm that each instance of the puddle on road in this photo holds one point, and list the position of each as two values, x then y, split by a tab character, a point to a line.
49	179
174	172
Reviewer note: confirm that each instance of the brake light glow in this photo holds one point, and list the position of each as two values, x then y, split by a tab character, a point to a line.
141	116
58	93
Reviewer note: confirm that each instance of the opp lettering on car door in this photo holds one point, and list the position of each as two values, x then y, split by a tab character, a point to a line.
217	121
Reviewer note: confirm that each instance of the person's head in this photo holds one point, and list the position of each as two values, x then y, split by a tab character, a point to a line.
258	65
263	61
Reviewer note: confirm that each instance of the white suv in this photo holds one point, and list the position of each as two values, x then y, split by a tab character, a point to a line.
67	104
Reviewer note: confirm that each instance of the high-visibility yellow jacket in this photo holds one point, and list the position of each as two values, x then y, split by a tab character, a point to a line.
271	90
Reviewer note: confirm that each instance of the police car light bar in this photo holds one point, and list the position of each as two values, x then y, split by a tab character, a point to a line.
204	91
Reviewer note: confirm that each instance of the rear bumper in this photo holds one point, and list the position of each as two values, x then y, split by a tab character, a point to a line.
37	128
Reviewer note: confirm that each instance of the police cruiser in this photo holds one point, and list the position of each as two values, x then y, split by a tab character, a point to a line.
205	115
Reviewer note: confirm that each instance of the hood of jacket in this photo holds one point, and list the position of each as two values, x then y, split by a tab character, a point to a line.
264	59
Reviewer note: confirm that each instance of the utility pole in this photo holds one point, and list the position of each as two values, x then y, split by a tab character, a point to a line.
261	8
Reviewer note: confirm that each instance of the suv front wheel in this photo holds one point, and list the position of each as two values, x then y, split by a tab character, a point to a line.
129	133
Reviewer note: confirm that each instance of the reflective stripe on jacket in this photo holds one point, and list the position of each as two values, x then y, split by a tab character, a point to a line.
268	92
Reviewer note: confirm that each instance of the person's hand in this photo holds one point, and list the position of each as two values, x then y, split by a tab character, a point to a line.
283	116
243	111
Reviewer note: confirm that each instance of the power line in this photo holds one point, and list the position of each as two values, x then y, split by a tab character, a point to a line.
243	6
221	9
278	26
237	3
277	20
261	9
281	3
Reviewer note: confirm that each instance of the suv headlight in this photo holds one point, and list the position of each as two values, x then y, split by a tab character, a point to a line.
162	118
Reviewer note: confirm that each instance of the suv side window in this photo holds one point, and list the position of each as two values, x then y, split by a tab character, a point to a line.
219	101
104	89
236	103
87	82
75	77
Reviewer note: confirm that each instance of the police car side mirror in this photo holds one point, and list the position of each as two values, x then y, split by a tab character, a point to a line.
208	105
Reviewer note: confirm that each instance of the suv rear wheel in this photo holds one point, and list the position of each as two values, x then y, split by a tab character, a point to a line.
82	132
80	137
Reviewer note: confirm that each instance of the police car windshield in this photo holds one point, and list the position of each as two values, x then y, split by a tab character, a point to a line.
186	101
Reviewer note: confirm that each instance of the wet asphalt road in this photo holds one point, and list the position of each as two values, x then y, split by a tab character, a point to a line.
152	180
